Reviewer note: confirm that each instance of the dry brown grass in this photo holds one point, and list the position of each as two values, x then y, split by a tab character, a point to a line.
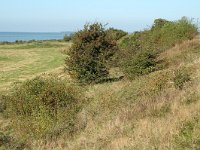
146	113
132	115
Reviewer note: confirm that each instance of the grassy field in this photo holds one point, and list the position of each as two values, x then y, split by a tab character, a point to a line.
19	62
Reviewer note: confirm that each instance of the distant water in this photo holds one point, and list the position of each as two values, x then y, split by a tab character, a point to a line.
26	36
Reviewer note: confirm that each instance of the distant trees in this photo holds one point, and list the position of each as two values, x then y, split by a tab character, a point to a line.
68	38
90	53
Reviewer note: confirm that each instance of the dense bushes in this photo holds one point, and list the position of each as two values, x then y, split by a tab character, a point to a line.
162	35
90	53
93	47
140	64
175	32
42	105
116	33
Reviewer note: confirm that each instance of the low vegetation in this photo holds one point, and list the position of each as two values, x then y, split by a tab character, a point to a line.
156	105
181	77
43	105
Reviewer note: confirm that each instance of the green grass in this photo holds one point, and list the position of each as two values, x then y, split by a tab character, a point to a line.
22	61
188	137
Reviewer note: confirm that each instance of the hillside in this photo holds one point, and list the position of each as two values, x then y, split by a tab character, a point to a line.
154	109
146	113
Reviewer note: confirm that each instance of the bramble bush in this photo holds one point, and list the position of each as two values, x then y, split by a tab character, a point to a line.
43	105
90	54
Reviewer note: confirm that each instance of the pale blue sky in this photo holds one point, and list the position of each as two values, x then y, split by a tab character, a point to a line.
71	15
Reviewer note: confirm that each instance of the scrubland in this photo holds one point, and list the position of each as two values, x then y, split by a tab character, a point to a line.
151	99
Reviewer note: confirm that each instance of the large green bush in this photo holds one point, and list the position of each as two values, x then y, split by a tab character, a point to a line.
42	105
90	53
176	32
140	64
161	36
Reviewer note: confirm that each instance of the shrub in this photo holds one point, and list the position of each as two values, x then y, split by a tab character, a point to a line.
159	23
41	105
115	33
141	64
19	42
90	53
177	32
67	38
162	35
181	77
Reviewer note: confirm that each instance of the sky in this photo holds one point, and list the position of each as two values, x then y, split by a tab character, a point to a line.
71	15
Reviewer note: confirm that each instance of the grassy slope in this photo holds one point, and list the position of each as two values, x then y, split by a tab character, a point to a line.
21	61
146	113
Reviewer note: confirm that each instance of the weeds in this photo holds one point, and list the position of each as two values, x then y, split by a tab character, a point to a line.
186	138
181	77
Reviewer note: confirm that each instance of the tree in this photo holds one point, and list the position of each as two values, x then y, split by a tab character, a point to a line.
90	53
68	38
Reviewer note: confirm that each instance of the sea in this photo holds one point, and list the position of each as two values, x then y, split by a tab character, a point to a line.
27	36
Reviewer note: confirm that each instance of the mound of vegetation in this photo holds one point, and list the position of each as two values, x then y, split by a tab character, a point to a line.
119	115
140	64
43	106
90	53
162	35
